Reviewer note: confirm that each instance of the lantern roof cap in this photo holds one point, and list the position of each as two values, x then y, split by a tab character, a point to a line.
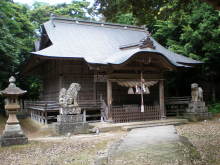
12	89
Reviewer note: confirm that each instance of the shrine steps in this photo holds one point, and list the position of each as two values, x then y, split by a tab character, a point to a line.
107	127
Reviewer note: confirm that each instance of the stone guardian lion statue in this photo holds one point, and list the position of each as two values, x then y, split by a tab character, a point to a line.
196	92
68	98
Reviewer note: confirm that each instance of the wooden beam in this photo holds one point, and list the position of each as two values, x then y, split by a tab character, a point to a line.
135	76
150	68
161	99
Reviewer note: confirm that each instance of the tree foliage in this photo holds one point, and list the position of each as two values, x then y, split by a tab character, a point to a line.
193	32
16	37
42	11
144	12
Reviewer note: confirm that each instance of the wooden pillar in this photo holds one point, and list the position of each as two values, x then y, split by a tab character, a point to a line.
94	87
38	116
161	98
31	114
60	70
34	113
84	115
46	117
61	81
109	98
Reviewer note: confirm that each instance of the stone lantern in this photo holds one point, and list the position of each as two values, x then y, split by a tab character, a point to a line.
13	133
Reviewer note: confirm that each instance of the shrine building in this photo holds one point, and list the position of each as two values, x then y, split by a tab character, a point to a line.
120	69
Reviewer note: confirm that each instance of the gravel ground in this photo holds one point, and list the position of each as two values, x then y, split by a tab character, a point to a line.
84	149
74	150
205	136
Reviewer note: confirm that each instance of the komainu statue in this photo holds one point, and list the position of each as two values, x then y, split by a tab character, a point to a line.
68	98
196	92
70	118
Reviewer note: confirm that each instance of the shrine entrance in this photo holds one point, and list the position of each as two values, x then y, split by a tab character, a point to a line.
135	100
135	89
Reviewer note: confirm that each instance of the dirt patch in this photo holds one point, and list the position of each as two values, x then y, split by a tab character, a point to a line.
75	150
205	136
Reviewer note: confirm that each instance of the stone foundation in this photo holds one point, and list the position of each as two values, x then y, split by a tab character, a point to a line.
13	135
197	107
71	124
75	128
197	111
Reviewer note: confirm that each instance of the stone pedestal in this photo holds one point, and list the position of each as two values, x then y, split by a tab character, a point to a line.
13	135
197	107
71	121
196	111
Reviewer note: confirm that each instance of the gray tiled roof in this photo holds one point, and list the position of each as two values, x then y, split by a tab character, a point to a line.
100	42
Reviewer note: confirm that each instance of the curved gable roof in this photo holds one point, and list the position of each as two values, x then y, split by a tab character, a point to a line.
100	43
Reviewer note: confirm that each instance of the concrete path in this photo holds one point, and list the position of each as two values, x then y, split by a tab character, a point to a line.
152	145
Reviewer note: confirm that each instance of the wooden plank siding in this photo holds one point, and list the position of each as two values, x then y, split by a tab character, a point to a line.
50	79
61	73
79	73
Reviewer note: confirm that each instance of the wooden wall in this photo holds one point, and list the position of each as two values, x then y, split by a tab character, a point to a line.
101	90
78	72
50	81
61	73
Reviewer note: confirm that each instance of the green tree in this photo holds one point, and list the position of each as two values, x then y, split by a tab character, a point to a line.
144	12
194	32
16	37
42	11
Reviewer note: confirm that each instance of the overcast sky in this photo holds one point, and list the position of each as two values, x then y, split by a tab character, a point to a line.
30	2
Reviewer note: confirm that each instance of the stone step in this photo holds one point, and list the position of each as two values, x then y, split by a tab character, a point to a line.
129	128
106	127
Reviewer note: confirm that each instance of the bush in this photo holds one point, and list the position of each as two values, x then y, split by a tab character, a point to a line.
215	108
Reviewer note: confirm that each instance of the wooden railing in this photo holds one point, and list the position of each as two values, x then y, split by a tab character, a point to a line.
130	113
42	105
46	110
176	106
178	100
